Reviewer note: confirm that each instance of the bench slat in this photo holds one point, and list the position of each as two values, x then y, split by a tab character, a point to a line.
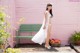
29	27
18	37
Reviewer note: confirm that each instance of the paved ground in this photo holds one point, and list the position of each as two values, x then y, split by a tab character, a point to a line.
41	49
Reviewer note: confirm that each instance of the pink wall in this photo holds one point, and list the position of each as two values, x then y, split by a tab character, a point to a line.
66	16
64	23
9	6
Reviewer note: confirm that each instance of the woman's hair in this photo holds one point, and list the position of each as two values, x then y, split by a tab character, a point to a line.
50	10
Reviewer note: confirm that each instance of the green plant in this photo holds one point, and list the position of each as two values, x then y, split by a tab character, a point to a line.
3	36
75	38
3	25
11	50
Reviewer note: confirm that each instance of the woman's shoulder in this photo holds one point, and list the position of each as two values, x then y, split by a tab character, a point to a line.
46	12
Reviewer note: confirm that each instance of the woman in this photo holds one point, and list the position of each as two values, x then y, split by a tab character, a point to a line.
43	34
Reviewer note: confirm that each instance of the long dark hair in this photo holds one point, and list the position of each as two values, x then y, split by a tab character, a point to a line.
50	10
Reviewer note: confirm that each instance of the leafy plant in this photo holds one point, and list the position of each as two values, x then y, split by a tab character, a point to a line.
11	50
75	38
3	34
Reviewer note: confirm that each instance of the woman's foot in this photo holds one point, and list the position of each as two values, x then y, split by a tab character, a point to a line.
47	47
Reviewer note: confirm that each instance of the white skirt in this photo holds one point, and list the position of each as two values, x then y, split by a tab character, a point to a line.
41	35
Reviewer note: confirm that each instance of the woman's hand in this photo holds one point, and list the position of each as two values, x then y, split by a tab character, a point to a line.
44	27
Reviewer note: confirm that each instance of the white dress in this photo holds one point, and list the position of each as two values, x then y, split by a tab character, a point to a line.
41	35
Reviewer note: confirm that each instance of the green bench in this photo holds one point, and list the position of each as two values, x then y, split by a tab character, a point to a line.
27	28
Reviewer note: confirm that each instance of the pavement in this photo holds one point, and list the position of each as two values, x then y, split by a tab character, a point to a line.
54	50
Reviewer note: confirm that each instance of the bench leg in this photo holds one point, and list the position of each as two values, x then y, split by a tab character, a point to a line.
17	42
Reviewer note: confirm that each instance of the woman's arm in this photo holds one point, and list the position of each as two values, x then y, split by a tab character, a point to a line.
45	20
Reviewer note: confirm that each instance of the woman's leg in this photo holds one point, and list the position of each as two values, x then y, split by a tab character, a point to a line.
48	35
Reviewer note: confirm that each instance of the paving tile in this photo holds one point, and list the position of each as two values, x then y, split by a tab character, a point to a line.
65	49
43	50
77	47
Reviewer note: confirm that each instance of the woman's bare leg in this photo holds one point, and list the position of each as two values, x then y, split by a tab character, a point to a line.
48	36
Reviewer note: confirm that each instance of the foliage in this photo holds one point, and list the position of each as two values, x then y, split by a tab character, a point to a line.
75	38
3	25
11	50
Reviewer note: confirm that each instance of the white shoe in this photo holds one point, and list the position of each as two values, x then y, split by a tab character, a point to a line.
47	47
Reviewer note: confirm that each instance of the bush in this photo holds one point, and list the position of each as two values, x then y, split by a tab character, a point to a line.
3	33
75	38
11	50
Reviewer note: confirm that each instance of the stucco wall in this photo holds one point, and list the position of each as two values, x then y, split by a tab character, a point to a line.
9	9
66	15
66	18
